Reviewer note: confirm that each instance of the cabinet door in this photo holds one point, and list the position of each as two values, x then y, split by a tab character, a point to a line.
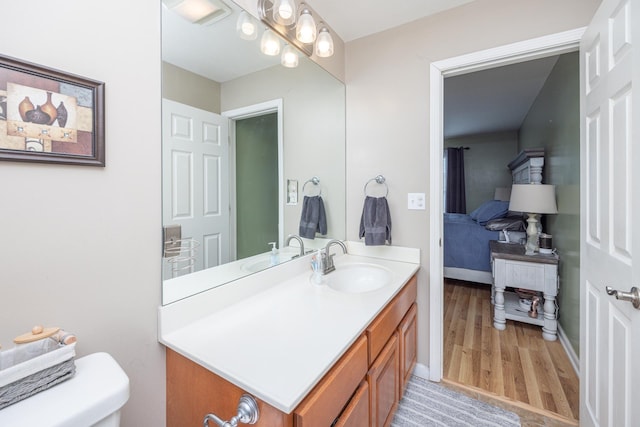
325	402
383	378
408	334
356	414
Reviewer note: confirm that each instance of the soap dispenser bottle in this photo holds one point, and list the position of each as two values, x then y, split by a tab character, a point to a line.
274	259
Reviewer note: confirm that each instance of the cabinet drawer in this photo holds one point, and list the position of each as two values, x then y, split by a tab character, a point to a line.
356	414
379	331
528	275
325	402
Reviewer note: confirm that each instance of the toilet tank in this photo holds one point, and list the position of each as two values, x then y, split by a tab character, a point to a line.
93	397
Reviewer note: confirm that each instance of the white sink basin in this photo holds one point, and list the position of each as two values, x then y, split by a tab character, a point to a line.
355	278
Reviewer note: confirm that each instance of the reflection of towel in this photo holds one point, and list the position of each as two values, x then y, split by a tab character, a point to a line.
375	224
313	217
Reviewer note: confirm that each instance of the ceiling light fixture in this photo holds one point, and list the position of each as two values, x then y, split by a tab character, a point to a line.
247	26
202	12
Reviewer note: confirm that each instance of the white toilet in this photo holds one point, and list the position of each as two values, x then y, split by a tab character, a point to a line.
92	398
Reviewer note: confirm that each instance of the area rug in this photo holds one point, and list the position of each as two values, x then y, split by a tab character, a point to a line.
427	404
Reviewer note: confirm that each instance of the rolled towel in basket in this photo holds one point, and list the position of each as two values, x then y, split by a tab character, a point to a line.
375	223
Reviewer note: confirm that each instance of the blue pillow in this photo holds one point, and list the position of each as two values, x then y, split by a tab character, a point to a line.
489	210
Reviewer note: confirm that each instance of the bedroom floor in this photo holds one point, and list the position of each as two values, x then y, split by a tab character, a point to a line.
516	364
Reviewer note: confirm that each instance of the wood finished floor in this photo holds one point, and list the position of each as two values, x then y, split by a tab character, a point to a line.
516	364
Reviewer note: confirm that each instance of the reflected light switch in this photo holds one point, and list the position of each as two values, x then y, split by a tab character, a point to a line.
416	201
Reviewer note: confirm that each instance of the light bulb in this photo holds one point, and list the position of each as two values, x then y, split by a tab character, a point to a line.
324	44
284	11
270	44
306	27
289	57
246	26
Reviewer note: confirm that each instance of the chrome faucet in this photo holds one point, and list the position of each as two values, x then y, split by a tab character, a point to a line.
328	258
293	236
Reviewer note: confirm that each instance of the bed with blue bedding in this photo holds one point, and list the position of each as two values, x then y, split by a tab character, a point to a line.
466	240
466	243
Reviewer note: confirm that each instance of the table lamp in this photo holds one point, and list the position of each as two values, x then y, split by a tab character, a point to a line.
533	199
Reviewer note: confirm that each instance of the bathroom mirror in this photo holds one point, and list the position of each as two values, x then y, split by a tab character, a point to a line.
269	131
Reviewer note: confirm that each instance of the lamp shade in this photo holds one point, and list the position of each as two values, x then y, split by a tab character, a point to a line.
533	198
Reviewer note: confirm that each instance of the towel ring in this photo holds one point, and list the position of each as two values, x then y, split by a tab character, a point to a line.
379	180
315	181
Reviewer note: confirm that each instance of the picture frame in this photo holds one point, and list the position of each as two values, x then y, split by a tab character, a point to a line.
50	116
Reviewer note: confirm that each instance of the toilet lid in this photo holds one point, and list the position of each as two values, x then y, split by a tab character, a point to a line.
99	388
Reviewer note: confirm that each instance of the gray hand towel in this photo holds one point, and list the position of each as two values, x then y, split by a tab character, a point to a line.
313	218
375	223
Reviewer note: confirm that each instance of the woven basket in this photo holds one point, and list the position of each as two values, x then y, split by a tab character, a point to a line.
31	368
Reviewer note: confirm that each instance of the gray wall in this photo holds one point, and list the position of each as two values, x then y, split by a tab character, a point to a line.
485	164
554	123
188	88
387	77
80	245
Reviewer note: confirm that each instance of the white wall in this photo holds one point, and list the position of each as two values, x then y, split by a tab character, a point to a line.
80	246
314	132
387	77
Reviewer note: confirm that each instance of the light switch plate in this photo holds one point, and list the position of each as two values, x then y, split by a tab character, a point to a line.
416	201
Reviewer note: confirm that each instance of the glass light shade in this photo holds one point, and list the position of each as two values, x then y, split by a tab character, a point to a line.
324	44
284	11
246	26
306	27
289	57
533	198
270	43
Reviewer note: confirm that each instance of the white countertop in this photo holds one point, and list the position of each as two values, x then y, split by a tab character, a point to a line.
275	335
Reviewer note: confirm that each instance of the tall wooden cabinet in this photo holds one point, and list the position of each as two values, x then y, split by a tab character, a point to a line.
362	389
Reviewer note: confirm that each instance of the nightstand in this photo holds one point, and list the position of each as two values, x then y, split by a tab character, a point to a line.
538	272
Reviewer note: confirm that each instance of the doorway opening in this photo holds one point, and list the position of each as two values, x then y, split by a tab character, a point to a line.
511	54
256	177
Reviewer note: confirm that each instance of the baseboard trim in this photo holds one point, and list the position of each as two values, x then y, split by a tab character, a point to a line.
421	371
568	348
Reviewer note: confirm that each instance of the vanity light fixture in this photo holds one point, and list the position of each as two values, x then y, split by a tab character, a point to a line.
203	12
324	43
289	57
306	30
284	12
247	26
270	43
280	16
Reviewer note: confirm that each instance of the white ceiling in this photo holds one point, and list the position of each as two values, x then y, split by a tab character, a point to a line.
491	100
353	19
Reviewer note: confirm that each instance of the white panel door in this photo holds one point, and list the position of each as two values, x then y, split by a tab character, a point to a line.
610	207
195	187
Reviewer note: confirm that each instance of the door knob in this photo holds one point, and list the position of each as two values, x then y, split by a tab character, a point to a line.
633	296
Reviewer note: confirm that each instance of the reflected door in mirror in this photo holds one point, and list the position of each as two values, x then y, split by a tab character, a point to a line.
195	182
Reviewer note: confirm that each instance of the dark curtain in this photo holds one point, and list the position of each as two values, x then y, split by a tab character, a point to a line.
455	198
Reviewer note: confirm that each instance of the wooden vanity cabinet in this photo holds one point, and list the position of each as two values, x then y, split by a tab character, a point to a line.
362	389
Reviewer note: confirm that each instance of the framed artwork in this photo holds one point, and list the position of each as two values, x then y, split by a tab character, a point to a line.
50	116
